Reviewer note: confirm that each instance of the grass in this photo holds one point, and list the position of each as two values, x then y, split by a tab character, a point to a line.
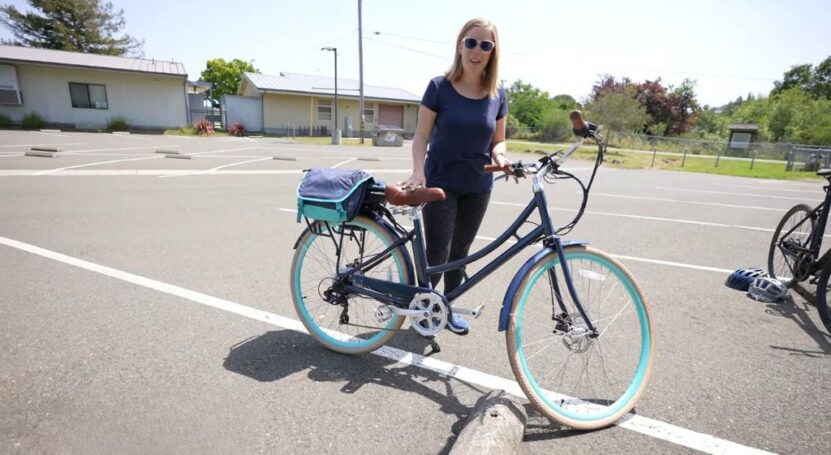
628	159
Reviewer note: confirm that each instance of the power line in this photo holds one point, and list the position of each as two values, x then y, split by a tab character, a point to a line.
443	57
593	64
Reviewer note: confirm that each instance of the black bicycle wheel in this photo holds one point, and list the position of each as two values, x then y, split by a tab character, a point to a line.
822	296
786	258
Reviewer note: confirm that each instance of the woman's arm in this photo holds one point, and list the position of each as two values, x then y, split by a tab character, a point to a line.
426	120
499	145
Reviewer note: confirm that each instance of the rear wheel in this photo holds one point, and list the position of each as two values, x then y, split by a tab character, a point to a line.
349	324
575	379
788	259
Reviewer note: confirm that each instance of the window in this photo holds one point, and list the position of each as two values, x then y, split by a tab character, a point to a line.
740	140
9	91
324	109
88	96
369	114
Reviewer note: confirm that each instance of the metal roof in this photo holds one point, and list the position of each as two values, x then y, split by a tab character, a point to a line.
322	85
92	61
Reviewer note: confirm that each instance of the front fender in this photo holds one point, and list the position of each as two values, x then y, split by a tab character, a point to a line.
513	288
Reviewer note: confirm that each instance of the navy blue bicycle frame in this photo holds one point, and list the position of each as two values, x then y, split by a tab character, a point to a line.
400	294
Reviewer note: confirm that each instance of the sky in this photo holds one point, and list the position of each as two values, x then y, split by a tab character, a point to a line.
729	47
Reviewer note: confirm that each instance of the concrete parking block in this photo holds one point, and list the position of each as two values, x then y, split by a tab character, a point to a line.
40	153
496	425
45	149
285	158
168	151
178	155
49	131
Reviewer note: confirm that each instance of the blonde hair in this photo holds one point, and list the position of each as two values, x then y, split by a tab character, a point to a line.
490	76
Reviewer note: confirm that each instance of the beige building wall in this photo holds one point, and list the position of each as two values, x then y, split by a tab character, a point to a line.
302	111
144	100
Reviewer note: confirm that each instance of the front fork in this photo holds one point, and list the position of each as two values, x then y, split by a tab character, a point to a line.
562	319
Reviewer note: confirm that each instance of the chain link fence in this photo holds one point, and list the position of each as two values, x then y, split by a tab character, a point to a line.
793	157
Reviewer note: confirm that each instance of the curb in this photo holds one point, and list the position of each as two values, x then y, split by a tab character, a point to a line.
496	425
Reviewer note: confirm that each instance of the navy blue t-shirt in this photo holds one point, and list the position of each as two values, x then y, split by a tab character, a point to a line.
461	140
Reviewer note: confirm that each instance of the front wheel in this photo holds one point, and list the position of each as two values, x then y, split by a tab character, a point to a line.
571	377
822	295
788	256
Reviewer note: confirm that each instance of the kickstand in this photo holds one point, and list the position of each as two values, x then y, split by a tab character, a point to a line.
434	345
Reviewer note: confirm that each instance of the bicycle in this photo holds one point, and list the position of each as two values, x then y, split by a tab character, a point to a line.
578	328
795	255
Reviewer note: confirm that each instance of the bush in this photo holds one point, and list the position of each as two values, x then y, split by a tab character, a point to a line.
203	128
555	126
32	121
118	124
5	121
236	129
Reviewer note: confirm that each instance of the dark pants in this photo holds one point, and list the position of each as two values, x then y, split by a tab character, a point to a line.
449	228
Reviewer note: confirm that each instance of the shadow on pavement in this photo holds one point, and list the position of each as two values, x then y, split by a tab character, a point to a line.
797	311
277	354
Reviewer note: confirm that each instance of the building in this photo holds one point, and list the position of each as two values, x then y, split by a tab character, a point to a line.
88	90
302	104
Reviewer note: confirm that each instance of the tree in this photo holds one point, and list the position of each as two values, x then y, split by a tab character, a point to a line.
815	81
618	111
226	76
608	83
565	102
70	25
684	108
797	76
527	103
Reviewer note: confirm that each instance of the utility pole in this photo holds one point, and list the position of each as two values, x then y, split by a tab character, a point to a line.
361	69
335	130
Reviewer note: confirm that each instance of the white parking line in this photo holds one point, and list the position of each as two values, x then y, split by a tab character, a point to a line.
766	196
618	256
43	145
345	162
678	201
216	168
111	149
814	192
10	155
50	171
650	427
50	134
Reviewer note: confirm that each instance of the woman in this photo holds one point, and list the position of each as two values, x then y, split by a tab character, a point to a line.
462	117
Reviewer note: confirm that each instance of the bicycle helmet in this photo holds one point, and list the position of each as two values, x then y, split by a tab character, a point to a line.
741	278
766	289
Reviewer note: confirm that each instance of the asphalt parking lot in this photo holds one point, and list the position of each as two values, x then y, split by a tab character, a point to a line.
145	308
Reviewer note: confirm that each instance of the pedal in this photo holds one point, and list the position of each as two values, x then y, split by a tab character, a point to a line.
475	312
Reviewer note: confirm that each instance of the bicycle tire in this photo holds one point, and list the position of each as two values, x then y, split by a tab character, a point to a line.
779	265
313	267
822	297
625	336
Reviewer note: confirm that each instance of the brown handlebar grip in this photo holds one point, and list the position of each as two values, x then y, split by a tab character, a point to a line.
577	121
489	168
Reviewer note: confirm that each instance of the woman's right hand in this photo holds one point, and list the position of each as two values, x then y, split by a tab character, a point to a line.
416	180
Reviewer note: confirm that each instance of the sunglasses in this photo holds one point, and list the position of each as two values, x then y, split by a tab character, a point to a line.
485	45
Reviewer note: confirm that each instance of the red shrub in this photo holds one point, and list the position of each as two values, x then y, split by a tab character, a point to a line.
204	127
236	129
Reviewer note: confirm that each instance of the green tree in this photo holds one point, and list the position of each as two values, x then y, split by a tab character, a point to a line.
225	76
815	81
565	102
527	103
618	111
70	25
